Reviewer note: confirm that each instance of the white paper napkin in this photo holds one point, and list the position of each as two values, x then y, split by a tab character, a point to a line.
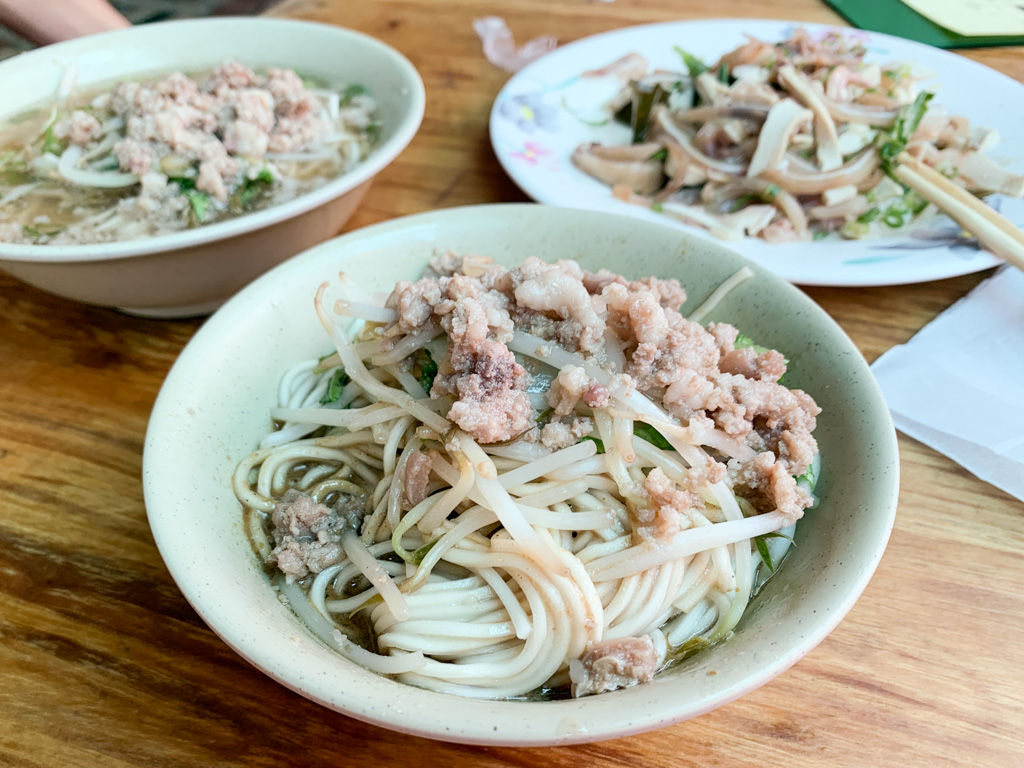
958	385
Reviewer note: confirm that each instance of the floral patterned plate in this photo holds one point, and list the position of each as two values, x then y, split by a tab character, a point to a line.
551	106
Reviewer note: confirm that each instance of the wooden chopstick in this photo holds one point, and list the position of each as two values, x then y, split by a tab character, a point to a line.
994	232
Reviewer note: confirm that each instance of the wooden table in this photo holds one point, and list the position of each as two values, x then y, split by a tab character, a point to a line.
103	663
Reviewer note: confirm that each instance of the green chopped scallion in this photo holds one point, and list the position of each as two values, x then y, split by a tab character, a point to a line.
693	65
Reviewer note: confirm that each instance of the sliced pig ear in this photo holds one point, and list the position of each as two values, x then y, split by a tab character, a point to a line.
784	118
500	46
622	166
829	156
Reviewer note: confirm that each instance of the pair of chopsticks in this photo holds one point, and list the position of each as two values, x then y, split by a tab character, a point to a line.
993	231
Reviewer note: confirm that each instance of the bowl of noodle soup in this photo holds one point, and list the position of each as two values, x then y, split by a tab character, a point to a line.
215	409
160	168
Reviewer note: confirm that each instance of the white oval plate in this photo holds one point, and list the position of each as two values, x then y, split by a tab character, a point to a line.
547	109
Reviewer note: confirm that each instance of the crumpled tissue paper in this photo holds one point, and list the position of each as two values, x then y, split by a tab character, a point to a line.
958	385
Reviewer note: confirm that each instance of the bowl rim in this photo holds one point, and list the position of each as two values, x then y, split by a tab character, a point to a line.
518	728
395	142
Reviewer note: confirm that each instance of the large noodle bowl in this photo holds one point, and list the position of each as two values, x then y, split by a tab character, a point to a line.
536	481
140	159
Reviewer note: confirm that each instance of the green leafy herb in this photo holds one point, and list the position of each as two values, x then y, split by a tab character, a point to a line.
660	155
808	477
770	193
657	207
199	206
895	141
600	443
419	554
765	552
39	232
651	435
743	341
373	132
689	648
723	73
356	89
869	215
693	65
645	99
819	235
762	547
251	190
743	201
334	387
425	369
183	182
51	143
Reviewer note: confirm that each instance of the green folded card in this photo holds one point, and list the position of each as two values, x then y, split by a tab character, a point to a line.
894	18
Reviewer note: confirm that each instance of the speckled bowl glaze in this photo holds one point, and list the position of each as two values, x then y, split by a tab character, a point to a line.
213	409
195	271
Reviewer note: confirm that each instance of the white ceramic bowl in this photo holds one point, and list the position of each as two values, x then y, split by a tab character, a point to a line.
194	271
213	409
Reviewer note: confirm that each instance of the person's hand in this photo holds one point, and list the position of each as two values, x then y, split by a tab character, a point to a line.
50	21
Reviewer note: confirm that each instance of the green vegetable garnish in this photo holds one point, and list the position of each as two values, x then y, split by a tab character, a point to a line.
869	215
199	206
39	231
820	235
356	89
334	387
657	207
766	554
743	201
895	141
809	477
645	99
600	443
770	193
661	155
419	554
693	65
651	435
723	73
373	132
51	144
743	341
762	547
251	190
427	368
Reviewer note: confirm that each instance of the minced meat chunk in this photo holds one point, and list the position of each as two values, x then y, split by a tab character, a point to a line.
612	664
633	330
307	534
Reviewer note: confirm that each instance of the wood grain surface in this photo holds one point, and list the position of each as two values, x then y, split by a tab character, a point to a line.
103	663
